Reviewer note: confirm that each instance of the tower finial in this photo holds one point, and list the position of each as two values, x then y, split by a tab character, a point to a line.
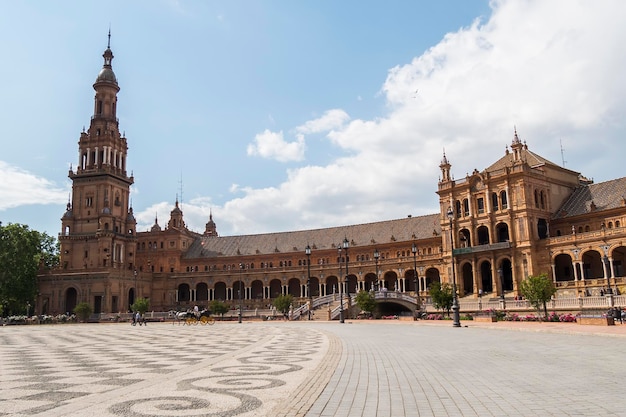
109	40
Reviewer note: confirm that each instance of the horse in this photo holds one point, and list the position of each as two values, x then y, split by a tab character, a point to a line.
180	315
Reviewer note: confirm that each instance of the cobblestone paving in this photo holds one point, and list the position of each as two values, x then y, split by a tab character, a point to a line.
527	369
313	369
155	370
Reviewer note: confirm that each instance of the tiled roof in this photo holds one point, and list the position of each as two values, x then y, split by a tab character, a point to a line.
594	197
284	242
531	158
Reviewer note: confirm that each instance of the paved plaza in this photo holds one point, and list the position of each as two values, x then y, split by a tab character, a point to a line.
361	368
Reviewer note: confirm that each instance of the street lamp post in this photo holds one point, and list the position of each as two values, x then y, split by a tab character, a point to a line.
340	284
346	245
376	256
456	320
502	299
135	274
240	307
417	286
307	251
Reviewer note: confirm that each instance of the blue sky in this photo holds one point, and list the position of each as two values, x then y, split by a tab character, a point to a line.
277	115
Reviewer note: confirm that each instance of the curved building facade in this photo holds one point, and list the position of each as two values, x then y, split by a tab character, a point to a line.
523	215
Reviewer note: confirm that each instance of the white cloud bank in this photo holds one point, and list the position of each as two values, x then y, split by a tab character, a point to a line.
21	188
552	68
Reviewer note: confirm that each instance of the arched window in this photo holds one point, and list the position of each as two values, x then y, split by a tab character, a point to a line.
494	201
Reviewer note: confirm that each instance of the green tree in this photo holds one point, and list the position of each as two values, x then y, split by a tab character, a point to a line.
83	311
141	305
538	291
283	303
366	301
442	296
23	252
218	307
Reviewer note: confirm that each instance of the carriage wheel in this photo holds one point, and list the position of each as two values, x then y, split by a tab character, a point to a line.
211	320
204	320
189	321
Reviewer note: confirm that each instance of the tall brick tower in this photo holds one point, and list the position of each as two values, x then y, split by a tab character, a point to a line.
98	236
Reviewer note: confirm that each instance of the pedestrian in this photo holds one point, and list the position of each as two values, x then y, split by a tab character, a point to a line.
138	318
622	316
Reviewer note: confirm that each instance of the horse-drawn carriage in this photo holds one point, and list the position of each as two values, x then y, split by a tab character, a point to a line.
190	317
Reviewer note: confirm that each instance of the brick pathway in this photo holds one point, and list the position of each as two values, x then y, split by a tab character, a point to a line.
360	368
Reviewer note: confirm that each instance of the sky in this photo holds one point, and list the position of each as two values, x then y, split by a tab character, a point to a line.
277	116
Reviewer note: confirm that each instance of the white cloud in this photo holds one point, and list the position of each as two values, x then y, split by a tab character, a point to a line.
553	69
332	119
272	145
19	187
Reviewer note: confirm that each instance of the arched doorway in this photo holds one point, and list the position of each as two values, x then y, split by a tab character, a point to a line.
467	279
219	291
256	290
486	276
131	298
184	293
71	299
275	288
293	287
202	292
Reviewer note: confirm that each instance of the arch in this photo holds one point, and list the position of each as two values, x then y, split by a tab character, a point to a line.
256	289
71	299
536	199
332	285
503	200
592	265
276	288
369	281
563	267
502	232
390	281
294	288
219	291
352	284
238	290
315	287
486	276
483	235
410	283
619	260
507	274
494	201
465	238
202	292
467	278
184	293
131	298
432	275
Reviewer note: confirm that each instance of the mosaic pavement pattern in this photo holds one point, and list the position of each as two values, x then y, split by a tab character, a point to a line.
160	370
